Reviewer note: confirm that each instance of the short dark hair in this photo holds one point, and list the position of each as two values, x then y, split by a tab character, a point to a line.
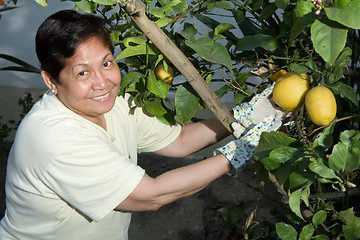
60	34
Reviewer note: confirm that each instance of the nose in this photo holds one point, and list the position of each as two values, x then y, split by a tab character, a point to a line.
99	82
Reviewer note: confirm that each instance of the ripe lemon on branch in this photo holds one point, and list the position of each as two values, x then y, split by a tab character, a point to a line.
163	75
320	105
290	90
277	75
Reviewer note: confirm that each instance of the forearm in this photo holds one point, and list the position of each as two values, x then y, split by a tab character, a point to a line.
152	193
194	137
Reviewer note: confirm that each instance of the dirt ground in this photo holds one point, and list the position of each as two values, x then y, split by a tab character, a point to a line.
201	216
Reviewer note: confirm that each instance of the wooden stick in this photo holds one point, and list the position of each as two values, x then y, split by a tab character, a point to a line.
136	11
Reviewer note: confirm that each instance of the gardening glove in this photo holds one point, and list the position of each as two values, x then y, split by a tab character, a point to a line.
239	151
256	111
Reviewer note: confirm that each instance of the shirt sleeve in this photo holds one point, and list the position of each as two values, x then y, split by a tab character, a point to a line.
89	174
154	135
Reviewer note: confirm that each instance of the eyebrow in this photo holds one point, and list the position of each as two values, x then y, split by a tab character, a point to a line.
85	64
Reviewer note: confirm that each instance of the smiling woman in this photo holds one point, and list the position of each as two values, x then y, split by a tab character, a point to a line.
89	83
72	171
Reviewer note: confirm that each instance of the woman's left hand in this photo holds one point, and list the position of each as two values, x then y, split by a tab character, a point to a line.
261	109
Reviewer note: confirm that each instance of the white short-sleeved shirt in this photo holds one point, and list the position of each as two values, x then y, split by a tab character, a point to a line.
65	174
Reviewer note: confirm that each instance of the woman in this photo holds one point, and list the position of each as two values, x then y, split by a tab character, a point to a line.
72	171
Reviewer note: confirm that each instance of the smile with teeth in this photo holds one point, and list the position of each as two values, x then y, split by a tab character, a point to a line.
101	97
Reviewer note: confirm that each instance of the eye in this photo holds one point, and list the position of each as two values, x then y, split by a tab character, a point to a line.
107	63
82	74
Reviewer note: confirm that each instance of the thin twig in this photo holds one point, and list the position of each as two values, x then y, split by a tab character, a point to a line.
337	120
236	87
182	15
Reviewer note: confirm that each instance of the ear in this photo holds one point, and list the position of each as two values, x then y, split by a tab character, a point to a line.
49	82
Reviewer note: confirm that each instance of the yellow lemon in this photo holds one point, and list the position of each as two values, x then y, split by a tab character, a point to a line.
277	75
162	75
320	105
290	90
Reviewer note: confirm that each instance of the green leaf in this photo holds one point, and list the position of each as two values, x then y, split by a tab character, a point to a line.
157	87
300	24
319	217
155	107
264	41
189	31
211	51
321	237
344	59
223	5
223	27
267	12
346	14
345	91
223	90
318	166
25	67
305	194
167	118
352	231
249	28
212	24
272	140
306	232
186	102
86	6
164	21
286	231
303	7
295	201
135	46
130	79
328	39
281	3
160	12
346	154
106	2
19	69
294	67
42	2
346	216
296	180
239	98
281	155
325	139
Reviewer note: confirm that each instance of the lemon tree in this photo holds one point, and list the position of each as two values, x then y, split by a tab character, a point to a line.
243	47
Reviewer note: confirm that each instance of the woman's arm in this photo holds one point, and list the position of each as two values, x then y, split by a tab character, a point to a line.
194	137
153	193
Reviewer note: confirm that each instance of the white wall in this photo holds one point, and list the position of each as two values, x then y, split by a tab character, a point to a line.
17	38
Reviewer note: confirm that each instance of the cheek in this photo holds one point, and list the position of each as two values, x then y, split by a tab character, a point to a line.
116	77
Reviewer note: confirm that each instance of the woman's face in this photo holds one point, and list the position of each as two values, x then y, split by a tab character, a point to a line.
90	81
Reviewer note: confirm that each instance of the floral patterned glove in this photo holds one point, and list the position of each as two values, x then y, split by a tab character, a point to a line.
255	117
256	111
238	152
